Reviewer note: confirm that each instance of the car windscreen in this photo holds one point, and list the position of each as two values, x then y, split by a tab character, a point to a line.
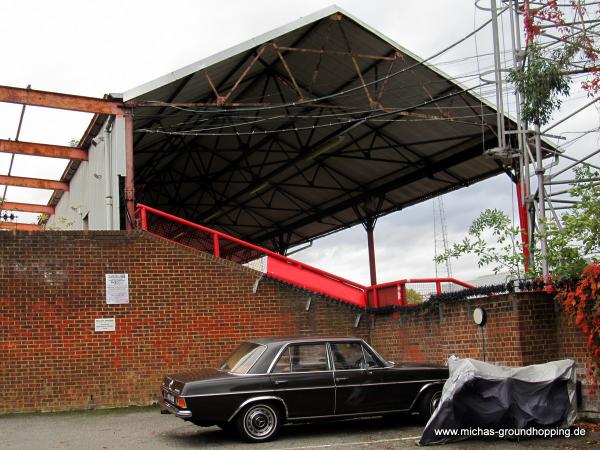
243	358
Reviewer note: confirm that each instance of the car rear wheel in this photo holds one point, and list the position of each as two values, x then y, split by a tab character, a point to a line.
429	402
259	422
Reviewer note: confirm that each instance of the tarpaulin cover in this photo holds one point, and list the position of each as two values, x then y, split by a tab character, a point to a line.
478	395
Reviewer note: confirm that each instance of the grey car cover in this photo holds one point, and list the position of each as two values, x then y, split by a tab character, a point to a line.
482	396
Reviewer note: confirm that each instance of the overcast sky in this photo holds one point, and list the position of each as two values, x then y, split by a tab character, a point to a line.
94	48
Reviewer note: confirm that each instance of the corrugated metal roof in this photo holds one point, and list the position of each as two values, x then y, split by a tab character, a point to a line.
336	154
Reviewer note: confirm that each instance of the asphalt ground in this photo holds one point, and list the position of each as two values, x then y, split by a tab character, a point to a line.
146	428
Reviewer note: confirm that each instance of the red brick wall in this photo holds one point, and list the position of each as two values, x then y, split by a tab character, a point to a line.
571	343
189	309
433	336
521	329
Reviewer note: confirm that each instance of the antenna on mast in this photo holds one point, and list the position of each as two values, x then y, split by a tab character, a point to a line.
440	236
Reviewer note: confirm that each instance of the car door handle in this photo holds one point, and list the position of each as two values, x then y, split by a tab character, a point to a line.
340	379
280	382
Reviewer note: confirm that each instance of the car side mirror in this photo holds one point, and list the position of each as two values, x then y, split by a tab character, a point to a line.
392	363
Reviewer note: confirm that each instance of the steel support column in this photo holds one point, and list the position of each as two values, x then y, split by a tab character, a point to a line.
129	173
539	171
369	225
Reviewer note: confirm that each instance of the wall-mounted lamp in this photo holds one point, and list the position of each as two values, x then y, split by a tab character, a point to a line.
480	319
307	307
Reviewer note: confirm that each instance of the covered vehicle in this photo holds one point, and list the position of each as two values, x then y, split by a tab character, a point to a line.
485	400
266	382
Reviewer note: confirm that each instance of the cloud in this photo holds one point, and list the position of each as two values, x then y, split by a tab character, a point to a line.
404	241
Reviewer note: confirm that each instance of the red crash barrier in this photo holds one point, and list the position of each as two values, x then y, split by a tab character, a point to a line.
289	270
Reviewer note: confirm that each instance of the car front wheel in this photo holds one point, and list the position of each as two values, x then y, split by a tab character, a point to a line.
259	422
429	402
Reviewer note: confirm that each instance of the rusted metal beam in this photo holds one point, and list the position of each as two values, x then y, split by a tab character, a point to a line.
373	104
35	149
12	157
20	226
37	183
219	97
289	71
26	207
57	100
387	78
157	104
336	52
243	75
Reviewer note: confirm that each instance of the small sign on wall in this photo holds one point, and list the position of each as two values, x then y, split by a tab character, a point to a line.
117	288
106	324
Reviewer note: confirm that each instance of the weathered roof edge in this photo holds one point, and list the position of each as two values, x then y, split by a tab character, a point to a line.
270	35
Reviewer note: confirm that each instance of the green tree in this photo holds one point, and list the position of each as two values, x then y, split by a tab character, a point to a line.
560	43
576	242
542	82
493	240
413	297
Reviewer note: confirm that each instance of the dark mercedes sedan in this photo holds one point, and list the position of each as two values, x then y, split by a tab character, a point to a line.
266	382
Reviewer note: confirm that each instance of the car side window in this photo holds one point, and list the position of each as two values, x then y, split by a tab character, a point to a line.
302	358
309	357
348	355
284	363
371	360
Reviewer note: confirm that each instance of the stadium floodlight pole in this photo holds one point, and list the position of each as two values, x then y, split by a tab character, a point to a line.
498	78
524	187
539	171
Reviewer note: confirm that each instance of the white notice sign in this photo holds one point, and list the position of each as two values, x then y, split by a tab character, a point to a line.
117	288
107	324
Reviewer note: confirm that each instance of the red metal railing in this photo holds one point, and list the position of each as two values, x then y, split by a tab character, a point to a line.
410	291
286	269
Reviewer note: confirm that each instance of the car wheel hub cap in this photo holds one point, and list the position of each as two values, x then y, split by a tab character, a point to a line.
260	422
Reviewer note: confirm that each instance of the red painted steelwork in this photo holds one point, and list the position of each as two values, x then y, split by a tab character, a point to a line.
277	269
395	292
216	247
523	222
144	218
307	277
